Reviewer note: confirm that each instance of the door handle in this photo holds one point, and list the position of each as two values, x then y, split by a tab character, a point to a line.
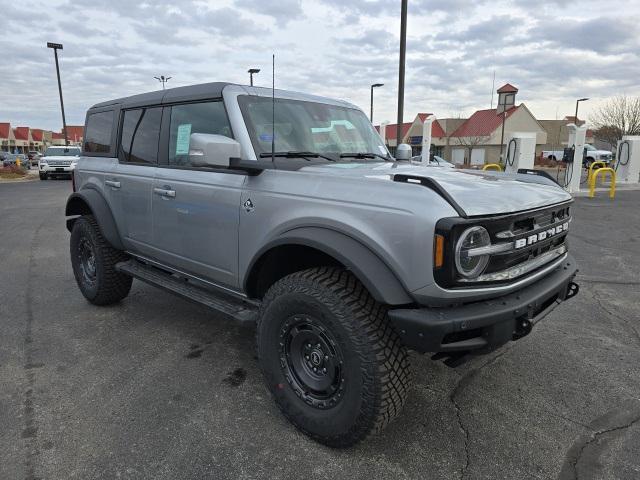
163	192
112	183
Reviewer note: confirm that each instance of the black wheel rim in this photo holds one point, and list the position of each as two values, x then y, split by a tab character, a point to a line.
87	261
312	361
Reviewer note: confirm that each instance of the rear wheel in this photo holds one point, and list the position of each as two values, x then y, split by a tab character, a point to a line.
332	361
93	261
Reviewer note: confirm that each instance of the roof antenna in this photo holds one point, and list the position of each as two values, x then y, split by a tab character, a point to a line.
273	107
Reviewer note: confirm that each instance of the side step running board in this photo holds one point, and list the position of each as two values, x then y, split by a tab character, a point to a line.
241	309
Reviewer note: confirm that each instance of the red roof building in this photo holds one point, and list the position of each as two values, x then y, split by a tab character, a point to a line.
507	88
5	129
75	133
37	135
482	123
21	133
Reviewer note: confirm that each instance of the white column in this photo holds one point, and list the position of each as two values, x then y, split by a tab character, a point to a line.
577	137
426	138
630	154
521	152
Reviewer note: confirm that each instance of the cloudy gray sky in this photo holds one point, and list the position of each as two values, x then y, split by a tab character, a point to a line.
553	50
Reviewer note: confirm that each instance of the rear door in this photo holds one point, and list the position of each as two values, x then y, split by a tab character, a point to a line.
196	210
131	182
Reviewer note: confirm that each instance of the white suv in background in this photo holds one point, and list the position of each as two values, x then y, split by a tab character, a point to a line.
58	161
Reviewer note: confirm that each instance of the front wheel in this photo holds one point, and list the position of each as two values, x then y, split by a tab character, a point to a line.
333	363
94	264
43	176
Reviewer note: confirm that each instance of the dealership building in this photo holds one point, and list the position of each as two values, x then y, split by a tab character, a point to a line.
477	140
26	139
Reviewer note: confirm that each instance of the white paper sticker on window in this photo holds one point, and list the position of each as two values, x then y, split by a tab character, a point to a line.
182	140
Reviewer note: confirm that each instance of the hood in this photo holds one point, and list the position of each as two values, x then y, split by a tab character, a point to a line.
471	192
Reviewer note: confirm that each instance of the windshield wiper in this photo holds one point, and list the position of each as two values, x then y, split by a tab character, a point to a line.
296	154
365	155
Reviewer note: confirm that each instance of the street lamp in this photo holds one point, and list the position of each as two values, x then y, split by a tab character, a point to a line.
163	80
56	47
578	103
251	71
375	85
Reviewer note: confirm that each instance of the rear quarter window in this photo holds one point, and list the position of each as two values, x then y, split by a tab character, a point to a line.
97	132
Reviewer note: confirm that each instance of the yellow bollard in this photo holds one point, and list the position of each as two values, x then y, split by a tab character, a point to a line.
594	178
18	162
603	165
493	166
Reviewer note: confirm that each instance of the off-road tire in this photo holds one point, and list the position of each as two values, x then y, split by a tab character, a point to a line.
376	365
108	286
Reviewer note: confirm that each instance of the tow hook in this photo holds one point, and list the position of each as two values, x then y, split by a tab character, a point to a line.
572	290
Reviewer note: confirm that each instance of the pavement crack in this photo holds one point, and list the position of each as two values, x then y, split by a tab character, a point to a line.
461	384
30	431
594	437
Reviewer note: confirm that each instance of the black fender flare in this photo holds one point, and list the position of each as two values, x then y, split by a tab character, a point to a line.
365	264
90	201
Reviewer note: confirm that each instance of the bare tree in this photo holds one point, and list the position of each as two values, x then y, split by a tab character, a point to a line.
608	134
619	116
470	143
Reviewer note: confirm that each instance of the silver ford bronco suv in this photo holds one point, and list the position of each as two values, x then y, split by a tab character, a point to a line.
288	210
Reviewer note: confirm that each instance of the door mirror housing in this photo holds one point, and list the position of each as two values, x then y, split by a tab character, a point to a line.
214	151
403	152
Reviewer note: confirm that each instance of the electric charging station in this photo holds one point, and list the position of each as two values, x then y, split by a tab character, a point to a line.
627	164
573	157
521	151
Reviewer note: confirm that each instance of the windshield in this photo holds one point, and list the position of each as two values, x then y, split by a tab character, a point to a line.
62	152
589	147
303	126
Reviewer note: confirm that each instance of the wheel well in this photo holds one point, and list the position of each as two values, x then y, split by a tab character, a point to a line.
281	261
77	206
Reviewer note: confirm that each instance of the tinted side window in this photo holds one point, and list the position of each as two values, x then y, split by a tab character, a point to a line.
208	117
97	136
140	135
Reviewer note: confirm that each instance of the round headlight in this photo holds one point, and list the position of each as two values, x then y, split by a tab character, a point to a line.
469	262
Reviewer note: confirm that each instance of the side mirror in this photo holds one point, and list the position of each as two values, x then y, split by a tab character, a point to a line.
403	152
209	150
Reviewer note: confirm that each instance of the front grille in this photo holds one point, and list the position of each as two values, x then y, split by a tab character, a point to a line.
59	163
536	237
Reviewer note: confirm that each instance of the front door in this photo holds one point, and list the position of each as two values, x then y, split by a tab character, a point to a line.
196	210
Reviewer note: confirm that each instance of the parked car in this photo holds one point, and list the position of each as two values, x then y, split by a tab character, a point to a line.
15	159
58	161
590	155
344	256
33	157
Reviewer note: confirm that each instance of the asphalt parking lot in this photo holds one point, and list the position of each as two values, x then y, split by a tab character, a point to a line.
157	387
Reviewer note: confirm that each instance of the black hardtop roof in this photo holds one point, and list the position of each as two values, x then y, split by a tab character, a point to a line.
170	95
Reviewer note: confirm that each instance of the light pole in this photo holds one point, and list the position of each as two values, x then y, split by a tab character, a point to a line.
578	103
375	85
251	71
162	79
56	47
403	51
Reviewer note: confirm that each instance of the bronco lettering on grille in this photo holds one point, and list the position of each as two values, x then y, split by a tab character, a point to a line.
537	237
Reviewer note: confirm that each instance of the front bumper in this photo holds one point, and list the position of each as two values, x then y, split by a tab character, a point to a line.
57	169
485	325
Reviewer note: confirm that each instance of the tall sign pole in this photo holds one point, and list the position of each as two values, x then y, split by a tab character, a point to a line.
403	51
56	47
